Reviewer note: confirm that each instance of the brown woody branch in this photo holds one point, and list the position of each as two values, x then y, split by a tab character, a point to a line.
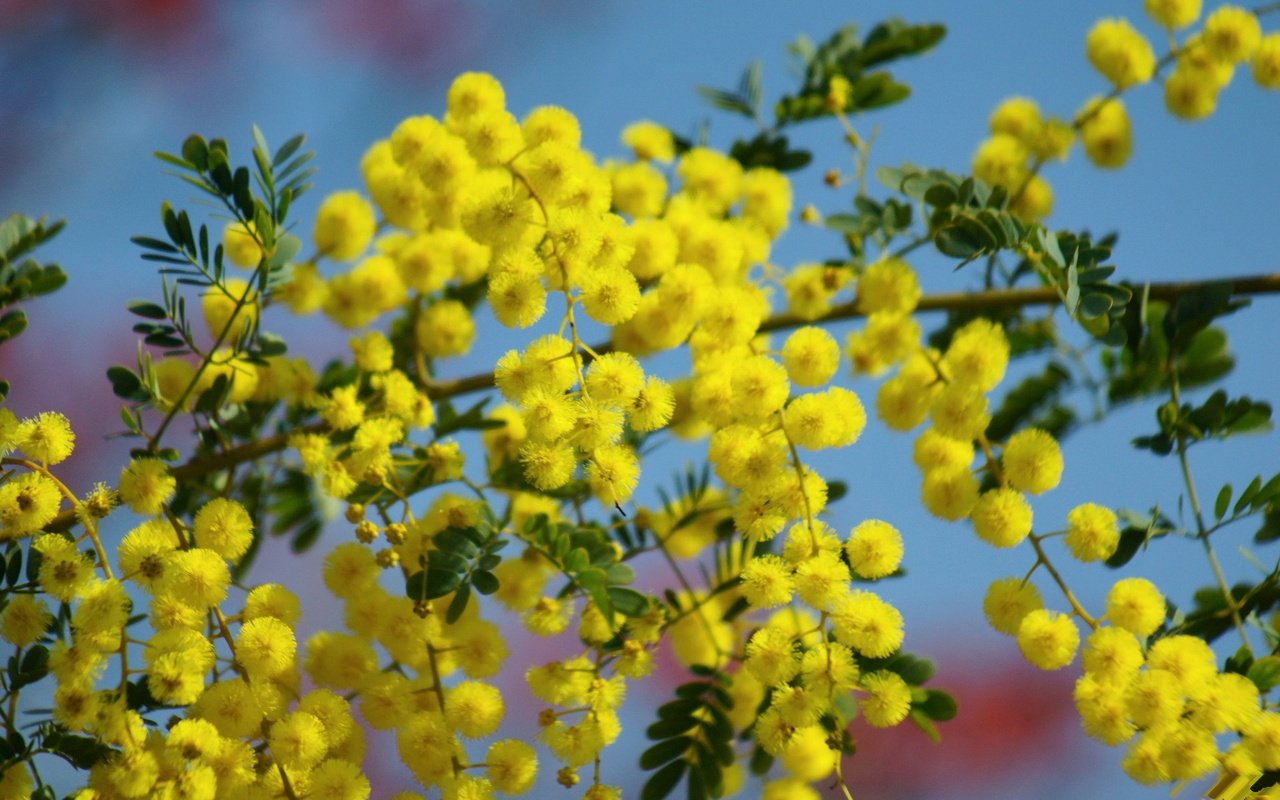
201	466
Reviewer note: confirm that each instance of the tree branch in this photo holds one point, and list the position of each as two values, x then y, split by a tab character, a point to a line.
201	466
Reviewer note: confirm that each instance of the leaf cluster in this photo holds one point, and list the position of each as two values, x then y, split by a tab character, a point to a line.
461	559
694	739
590	560
22	277
843	54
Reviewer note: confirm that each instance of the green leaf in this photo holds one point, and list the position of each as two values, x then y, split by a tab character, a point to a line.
665	751
1269	491
1095	304
696	786
954	242
287	149
34	559
1246	497
306	536
576	560
458	604
195	152
941	194
49	279
1130	540
761	761
664	781
485	582
13	569
445	560
937	705
666	728
473	418
147	310
893	39
458	541
82	751
619	574
1223	502
34	666
287	246
269	344
1265	673
439	582
926	726
912	669
726	101
877	90
1026	399
12	323
1195	311
769	150
690	701
628	601
126	385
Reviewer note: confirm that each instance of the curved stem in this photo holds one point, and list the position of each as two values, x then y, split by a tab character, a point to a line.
1043	558
1193	498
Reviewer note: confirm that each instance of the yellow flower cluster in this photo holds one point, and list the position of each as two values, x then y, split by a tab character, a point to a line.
479	206
1166	698
1021	141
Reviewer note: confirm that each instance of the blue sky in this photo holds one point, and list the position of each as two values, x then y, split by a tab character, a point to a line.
1197	200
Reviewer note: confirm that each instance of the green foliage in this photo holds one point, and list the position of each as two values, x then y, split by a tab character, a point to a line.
1210	615
449	420
694	738
1143	366
185	253
1215	418
22	277
294	511
1137	532
1034	401
872	221
842	54
745	100
768	149
590	560
463	559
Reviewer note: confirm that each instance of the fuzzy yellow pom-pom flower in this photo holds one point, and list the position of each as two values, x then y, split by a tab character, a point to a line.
1120	53
27	503
1001	517
1173	14
1105	132
1266	62
46	437
474	709
1047	639
1136	605
512	766
1232	34
874	549
24	620
1092	534
224	526
1032	461
1112	654
811	356
888	698
1007	601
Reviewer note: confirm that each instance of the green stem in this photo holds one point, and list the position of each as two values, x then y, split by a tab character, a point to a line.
1193	497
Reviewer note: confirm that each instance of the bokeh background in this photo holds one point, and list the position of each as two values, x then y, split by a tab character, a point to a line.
91	87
